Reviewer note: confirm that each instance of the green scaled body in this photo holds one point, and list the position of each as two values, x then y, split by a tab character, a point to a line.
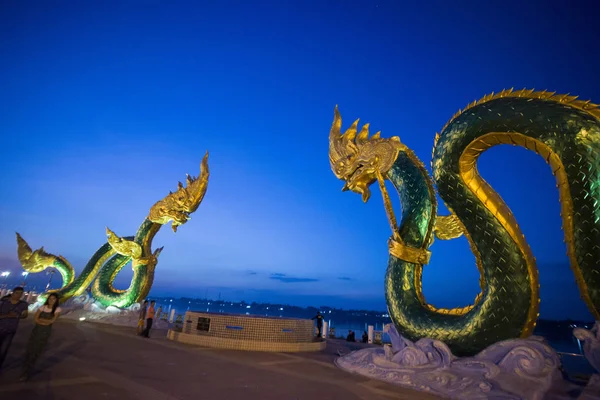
568	138
143	275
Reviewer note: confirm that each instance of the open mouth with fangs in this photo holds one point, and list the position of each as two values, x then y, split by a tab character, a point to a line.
359	181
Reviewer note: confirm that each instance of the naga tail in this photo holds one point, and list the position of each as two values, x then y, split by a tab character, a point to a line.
566	133
561	129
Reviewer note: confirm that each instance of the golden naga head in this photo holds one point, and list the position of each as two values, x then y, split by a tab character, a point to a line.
178	206
357	159
33	261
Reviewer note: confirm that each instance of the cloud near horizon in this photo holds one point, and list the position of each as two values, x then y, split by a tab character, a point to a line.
286	279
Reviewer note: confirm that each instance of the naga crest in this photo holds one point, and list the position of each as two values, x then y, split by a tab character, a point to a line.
33	261
357	159
178	206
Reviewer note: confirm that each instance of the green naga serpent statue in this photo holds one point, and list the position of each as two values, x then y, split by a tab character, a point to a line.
109	259
563	130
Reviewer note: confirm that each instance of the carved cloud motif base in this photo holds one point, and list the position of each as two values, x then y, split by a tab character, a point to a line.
512	369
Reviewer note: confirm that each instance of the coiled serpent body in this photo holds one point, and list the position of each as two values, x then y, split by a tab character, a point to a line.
561	129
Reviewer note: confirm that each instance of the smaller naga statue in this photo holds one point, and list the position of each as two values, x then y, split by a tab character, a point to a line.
102	269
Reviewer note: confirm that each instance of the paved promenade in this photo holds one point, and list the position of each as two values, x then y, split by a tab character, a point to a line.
94	361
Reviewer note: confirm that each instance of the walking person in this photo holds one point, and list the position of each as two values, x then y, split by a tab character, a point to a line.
44	319
12	310
149	319
142	317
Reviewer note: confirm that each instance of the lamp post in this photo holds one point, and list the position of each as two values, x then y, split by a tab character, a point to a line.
5	275
50	279
24	275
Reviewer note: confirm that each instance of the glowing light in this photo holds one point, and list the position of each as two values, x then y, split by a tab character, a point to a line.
82	319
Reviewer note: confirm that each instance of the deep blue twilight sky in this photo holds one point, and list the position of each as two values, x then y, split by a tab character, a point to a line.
105	105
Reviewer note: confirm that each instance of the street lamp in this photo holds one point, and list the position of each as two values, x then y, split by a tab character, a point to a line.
5	275
24	275
51	273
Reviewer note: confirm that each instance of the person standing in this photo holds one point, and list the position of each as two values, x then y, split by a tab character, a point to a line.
319	319
142	317
149	319
12	309
44	318
351	336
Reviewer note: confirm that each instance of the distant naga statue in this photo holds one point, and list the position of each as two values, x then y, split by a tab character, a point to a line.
107	262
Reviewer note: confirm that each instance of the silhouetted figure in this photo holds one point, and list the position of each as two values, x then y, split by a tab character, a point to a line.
351	336
44	318
365	337
319	319
149	319
12	309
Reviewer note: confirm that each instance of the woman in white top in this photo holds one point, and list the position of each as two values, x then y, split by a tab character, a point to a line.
45	316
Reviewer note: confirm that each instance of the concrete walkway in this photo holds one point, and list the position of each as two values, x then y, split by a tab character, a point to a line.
94	361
